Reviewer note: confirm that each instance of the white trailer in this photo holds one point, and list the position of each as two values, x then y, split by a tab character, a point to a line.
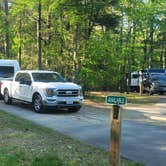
135	81
7	70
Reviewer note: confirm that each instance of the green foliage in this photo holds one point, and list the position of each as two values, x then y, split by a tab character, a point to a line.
9	159
89	41
101	64
47	161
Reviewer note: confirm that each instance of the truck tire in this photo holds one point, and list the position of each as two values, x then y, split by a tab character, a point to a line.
161	93
37	104
7	99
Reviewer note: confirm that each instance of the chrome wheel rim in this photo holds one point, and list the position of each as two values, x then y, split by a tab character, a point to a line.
6	97
37	104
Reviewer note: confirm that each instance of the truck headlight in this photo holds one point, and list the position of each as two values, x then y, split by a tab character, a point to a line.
49	92
80	93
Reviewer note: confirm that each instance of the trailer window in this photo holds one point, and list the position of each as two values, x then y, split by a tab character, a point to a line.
135	76
6	71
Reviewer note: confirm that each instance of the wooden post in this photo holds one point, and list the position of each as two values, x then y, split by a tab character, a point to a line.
141	82
141	88
115	136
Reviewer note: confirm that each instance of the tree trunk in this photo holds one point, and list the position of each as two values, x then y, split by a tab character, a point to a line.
128	42
47	40
39	36
151	49
163	52
145	54
75	51
121	68
164	58
6	28
133	45
20	40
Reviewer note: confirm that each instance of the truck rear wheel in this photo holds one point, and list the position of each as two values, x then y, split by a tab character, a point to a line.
37	104
7	98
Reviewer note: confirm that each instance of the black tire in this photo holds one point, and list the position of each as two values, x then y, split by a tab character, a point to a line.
74	109
37	104
161	93
7	99
151	92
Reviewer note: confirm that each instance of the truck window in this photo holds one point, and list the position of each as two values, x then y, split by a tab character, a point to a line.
18	77
47	77
27	77
24	76
6	71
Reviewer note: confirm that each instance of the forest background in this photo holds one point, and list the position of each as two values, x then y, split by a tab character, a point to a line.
96	43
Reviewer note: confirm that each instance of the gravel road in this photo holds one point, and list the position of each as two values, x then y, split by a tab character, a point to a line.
143	137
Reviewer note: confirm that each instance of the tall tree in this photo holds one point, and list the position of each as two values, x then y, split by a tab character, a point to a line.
82	40
39	36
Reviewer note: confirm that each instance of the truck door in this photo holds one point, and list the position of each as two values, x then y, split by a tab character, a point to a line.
16	86
25	87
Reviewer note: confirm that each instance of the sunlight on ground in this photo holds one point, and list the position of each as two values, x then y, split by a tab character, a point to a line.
149	111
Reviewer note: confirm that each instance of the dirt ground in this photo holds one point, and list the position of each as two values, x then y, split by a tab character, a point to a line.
147	113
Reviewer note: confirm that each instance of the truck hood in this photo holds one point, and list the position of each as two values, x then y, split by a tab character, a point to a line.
57	85
162	82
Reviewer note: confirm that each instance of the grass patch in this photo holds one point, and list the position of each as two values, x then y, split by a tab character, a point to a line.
134	98
24	143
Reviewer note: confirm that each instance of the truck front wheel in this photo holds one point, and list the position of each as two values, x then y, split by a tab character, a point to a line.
37	103
7	98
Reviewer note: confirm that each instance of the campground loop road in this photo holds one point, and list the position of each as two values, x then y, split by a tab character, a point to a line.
141	141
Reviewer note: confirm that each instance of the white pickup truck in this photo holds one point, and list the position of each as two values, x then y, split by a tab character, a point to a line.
42	89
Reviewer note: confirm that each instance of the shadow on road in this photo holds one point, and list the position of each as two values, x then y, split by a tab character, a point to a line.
28	107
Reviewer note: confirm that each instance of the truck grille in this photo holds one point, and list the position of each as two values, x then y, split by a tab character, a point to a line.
67	92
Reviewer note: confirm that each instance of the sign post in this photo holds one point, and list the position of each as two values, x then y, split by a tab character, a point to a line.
141	88
115	130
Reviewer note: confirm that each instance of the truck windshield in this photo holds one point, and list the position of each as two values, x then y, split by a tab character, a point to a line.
156	71
6	71
158	78
47	77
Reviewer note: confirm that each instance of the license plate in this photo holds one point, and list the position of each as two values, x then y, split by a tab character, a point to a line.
69	102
